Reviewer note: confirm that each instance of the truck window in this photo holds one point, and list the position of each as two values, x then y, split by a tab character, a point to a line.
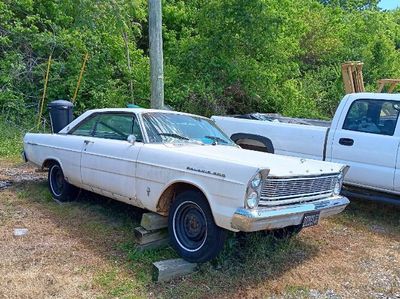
372	116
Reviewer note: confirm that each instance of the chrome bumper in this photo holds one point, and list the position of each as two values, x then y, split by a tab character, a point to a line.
264	218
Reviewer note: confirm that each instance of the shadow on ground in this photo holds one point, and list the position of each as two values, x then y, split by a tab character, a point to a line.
106	227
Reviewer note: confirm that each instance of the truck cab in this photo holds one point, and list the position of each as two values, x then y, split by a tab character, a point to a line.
365	135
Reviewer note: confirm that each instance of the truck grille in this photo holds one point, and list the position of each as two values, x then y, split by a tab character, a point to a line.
296	189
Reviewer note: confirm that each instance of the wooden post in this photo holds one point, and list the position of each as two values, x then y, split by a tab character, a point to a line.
80	77
46	79
156	54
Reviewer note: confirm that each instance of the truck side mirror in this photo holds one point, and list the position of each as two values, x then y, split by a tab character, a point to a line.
131	139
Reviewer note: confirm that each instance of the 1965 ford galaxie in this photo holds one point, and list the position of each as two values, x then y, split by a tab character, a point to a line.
184	167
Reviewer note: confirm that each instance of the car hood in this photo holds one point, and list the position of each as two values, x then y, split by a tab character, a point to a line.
279	165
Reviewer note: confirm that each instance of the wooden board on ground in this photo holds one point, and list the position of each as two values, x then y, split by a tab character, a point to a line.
169	269
153	221
144	236
153	245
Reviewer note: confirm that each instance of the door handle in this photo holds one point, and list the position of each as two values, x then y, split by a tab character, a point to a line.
346	141
88	141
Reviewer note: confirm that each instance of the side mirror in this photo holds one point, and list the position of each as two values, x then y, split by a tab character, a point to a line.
131	139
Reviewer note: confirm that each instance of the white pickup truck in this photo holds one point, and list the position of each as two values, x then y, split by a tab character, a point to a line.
184	167
364	134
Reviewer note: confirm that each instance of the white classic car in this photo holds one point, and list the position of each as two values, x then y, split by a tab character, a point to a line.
184	167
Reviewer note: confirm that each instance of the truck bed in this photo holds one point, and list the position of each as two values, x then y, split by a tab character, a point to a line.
289	136
276	117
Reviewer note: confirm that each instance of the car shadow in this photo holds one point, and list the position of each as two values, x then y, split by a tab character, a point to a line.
376	217
251	258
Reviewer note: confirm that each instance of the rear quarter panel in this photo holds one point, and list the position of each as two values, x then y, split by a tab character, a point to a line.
65	149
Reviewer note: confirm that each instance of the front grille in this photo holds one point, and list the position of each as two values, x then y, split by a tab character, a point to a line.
284	189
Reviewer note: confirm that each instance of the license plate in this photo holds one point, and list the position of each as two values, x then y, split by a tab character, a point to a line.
310	219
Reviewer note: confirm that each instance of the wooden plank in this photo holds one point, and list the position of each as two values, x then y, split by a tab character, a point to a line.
392	87
361	76
381	86
161	243
153	221
144	236
169	269
347	78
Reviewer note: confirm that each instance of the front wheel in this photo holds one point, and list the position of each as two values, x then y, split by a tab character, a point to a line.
60	189
193	232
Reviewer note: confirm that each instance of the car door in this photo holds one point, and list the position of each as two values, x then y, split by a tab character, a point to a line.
108	161
367	140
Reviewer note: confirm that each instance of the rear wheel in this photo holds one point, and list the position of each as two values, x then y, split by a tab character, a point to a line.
193	232
60	189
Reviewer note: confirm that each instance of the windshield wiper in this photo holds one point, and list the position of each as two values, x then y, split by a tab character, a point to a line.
216	139
173	135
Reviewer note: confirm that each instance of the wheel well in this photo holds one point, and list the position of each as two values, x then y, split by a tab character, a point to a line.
47	163
253	142
170	193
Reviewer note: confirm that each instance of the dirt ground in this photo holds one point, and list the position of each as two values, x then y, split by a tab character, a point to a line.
86	250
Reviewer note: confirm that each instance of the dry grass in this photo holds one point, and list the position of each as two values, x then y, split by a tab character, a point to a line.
85	249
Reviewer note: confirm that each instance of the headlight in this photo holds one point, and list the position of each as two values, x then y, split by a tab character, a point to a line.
338	185
253	190
252	200
256	181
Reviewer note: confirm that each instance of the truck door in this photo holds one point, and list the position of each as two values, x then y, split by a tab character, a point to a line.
367	140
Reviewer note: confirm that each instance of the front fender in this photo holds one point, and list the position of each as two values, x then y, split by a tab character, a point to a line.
223	200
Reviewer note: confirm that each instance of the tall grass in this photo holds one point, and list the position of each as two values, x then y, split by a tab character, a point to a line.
11	136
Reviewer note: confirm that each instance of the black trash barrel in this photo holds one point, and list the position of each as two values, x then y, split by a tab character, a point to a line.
60	114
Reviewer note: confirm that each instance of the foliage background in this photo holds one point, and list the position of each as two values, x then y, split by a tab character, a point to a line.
221	56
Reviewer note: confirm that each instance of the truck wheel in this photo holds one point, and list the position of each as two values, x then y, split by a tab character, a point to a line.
192	230
286	232
59	188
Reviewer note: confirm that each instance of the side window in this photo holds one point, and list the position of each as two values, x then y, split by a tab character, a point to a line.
372	116
114	126
86	128
137	132
118	126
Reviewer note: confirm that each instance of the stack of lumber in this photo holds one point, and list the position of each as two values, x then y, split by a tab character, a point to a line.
353	76
151	234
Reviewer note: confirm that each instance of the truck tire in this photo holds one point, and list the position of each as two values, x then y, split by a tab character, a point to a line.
59	188
192	230
286	232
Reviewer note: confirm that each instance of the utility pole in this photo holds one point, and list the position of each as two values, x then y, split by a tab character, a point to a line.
156	54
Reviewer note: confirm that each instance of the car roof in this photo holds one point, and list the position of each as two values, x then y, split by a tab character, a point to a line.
137	111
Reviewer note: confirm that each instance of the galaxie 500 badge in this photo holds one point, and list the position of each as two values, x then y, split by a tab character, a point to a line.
206	171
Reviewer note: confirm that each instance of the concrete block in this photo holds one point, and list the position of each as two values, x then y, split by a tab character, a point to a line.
144	236
169	269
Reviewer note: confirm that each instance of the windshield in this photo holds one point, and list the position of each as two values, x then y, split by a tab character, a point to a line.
172	127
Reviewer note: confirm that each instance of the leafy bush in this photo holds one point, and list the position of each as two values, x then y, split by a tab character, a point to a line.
229	56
